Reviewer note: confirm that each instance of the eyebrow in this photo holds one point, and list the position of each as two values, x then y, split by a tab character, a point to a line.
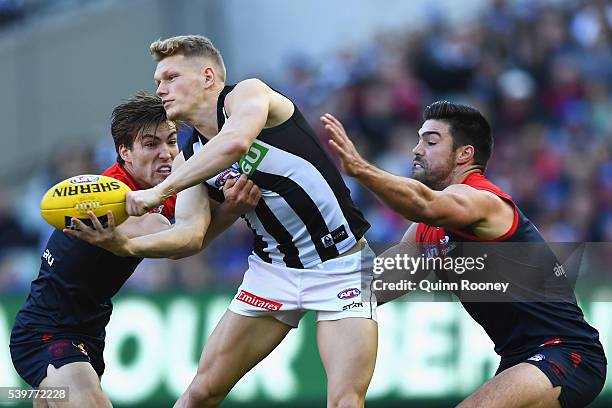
430	132
149	135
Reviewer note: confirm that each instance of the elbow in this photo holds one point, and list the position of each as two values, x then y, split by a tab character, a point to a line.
195	244
238	148
190	247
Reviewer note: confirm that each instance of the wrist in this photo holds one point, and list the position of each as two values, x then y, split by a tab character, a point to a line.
363	171
231	210
129	248
164	190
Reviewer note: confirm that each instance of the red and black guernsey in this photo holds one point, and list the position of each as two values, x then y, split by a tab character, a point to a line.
527	316
76	282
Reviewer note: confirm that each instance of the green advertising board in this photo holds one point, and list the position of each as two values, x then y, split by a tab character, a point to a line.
430	354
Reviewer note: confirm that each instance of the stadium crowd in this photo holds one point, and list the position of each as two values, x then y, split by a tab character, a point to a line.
541	73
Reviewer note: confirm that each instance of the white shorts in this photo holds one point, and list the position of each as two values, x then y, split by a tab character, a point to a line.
336	289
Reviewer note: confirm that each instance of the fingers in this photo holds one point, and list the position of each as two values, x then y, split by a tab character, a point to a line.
340	151
111	220
241	182
328	118
79	225
95	221
135	204
254	194
229	183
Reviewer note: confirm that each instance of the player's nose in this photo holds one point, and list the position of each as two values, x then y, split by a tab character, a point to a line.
418	149
161	89
165	153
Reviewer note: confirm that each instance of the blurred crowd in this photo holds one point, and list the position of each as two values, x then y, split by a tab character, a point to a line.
540	72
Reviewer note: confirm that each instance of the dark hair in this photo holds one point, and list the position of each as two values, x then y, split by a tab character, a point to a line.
467	127
131	117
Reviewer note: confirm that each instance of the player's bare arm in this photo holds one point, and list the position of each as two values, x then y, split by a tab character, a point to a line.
184	238
149	223
248	107
457	206
241	196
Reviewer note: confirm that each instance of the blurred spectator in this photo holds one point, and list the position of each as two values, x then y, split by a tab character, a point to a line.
540	71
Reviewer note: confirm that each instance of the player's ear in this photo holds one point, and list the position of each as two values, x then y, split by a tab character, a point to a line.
209	75
124	153
464	154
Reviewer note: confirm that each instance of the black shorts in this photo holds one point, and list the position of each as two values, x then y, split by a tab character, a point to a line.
581	374
32	352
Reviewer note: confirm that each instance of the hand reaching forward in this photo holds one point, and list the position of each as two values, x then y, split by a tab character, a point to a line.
352	162
109	238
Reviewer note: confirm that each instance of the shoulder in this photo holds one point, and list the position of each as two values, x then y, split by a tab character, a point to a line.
119	173
248	87
473	193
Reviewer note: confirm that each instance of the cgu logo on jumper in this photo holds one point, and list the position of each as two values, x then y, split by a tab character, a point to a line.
249	163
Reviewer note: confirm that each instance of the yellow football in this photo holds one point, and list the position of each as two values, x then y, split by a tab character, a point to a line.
75	196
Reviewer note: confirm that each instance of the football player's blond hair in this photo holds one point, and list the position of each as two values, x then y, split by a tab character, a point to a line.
189	46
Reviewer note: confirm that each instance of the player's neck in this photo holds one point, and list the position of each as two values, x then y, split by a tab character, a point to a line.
463	172
205	119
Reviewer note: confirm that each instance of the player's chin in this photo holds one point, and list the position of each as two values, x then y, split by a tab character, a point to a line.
418	173
172	113
158	177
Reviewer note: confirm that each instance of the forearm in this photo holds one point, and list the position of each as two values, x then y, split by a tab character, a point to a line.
410	198
219	153
221	220
176	242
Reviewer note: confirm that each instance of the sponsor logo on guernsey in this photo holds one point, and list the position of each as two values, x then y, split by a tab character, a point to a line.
86	179
537	357
257	301
48	257
349	293
352	305
334	237
231	172
248	164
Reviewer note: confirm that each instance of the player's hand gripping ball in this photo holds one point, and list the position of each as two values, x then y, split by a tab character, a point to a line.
75	196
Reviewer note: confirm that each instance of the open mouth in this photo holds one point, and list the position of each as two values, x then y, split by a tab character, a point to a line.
165	170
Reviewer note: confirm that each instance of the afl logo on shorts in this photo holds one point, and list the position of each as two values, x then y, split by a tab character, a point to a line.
349	293
86	179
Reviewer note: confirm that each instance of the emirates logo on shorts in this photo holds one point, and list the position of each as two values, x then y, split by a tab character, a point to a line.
257	301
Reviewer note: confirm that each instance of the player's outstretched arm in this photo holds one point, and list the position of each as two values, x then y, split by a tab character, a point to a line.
248	106
184	238
457	206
